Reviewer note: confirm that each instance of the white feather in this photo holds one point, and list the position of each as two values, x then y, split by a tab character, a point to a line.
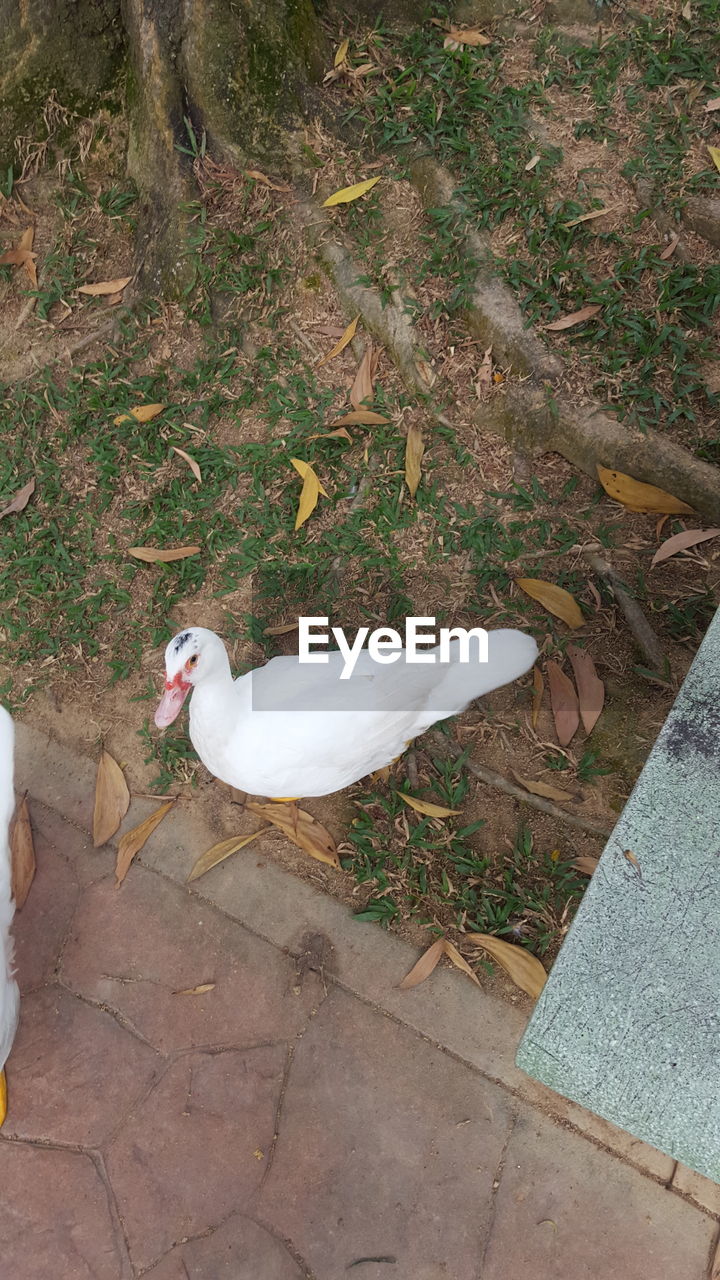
294	729
9	992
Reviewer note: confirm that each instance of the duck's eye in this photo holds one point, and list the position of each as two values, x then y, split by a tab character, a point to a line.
192	662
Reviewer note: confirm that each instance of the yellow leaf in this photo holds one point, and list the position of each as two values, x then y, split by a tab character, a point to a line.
340	434
141	413
360	418
555	599
196	991
342	342
301	828
470	36
22	854
425	806
133	841
362	387
190	461
414	450
153	555
637	496
341	53
542	789
310	492
715	156
538	690
575	317
112	799
424	967
105	287
218	853
525	969
587	217
347	194
459	961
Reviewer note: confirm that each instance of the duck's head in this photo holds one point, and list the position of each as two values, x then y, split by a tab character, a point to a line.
191	656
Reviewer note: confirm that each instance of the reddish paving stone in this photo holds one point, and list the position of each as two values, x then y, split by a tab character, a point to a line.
73	1072
195	1150
567	1210
239	1250
132	947
41	925
74	845
55	1222
387	1149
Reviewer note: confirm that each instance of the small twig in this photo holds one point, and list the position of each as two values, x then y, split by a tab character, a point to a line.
646	639
493	779
307	343
89	338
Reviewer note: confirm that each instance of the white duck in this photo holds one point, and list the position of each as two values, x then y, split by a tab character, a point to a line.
290	729
9	991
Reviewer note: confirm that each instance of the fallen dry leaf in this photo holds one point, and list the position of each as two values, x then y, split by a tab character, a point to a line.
715	156
525	969
341	344
21	255
426	807
341	53
152	555
309	493
301	828
257	176
484	379
531	164
424	967
712	105
414	450
555	599
341	434
637	496
218	853
588	217
104	288
141	413
196	991
360	418
543	789
459	961
133	841
575	317
564	703
669	249
538	691
112	799
687	11
468	35
591	690
22	854
347	194
586	865
682	542
190	461
363	385
283	630
20	499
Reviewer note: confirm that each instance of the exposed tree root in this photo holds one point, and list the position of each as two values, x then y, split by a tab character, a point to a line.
643	633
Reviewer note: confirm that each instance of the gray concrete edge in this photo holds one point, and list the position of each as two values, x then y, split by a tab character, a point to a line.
474	1026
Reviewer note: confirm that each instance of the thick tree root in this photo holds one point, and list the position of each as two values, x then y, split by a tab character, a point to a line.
643	633
535	423
493	313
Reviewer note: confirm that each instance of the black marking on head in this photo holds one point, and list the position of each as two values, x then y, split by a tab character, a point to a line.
182	640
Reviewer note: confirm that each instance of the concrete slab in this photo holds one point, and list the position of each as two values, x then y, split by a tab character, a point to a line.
628	1024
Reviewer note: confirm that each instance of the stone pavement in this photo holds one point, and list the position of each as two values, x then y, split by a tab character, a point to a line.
301	1119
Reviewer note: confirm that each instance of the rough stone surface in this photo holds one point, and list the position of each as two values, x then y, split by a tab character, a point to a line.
197	1147
133	948
54	1217
554	1181
43	922
628	1022
376	1135
75	1072
239	1250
